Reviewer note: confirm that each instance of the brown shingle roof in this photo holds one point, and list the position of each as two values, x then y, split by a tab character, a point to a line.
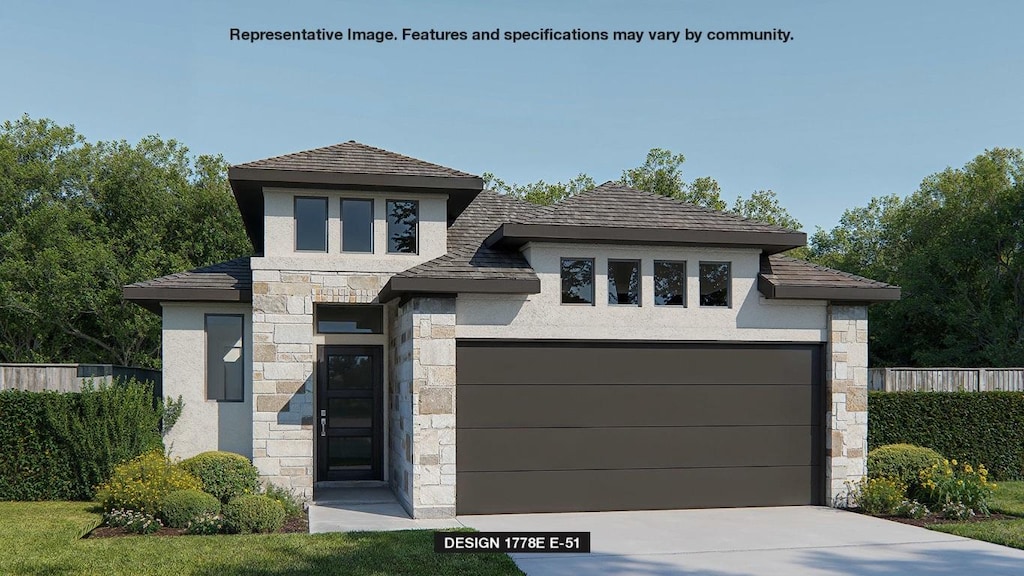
467	256
354	158
229	281
789	278
615	205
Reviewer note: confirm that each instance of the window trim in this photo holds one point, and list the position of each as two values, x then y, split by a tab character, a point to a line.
639	281
206	357
341	215
295	222
387	223
593	282
728	283
654	283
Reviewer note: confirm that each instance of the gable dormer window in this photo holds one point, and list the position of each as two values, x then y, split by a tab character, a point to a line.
311	224
403	226
356	225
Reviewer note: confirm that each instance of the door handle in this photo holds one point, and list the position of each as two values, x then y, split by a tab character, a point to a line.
323	426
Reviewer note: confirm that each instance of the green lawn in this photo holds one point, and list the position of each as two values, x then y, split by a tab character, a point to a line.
43	538
1008	499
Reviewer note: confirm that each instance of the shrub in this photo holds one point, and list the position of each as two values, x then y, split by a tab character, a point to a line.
958	484
132	521
226	475
901	461
293	507
205	523
969	426
60	445
253	513
880	495
142	483
183	506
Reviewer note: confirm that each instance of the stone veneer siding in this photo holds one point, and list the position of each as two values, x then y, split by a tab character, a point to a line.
847	388
422	407
284	365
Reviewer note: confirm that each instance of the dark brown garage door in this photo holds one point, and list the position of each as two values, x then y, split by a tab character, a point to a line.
554	427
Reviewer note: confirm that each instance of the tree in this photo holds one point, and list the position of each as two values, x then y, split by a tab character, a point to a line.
956	247
79	220
540	192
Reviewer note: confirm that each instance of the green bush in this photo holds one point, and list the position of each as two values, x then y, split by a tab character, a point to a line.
58	446
880	495
253	513
292	506
226	475
901	461
181	507
969	426
142	483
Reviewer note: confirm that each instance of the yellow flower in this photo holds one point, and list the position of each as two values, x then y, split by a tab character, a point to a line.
968	469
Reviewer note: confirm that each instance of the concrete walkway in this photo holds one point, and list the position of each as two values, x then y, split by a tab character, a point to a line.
356	509
812	541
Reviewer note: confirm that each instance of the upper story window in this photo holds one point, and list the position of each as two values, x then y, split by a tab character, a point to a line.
578	281
669	283
714	283
311	224
356	225
624	282
225	369
403	223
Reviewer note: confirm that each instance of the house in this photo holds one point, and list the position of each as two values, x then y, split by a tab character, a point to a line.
619	350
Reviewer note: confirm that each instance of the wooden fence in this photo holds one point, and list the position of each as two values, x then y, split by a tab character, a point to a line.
946	379
69	377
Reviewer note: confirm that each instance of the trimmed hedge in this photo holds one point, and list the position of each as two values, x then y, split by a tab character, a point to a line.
226	475
903	462
59	446
979	427
253	513
181	507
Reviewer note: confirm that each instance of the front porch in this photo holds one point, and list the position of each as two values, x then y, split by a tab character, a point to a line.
366	506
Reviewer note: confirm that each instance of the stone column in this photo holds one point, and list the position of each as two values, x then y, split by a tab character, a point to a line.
847	389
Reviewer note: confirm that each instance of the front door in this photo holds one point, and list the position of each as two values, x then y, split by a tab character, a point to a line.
349	406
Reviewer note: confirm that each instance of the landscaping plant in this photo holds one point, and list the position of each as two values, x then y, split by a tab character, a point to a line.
181	507
226	475
293	507
142	483
880	495
132	521
253	513
950	485
205	523
903	462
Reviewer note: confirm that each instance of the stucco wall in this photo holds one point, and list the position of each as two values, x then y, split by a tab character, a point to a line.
750	318
279	224
204	424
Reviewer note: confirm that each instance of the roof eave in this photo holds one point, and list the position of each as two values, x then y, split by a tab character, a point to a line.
323	178
400	286
150	297
512	235
867	294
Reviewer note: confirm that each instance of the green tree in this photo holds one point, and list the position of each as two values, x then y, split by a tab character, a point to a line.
956	247
540	192
79	220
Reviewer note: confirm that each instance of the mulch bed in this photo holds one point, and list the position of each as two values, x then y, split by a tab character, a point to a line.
297	525
933	519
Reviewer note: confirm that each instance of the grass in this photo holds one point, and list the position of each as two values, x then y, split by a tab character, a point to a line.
43	539
1008	499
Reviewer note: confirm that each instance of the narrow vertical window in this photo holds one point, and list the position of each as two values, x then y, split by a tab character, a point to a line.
669	283
714	283
403	221
225	370
578	281
356	225
311	224
624	282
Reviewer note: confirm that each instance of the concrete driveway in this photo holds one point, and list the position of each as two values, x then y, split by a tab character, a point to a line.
752	541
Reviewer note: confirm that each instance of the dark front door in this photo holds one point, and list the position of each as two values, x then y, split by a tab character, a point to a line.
349	412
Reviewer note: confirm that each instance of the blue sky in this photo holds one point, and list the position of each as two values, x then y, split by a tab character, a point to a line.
867	99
